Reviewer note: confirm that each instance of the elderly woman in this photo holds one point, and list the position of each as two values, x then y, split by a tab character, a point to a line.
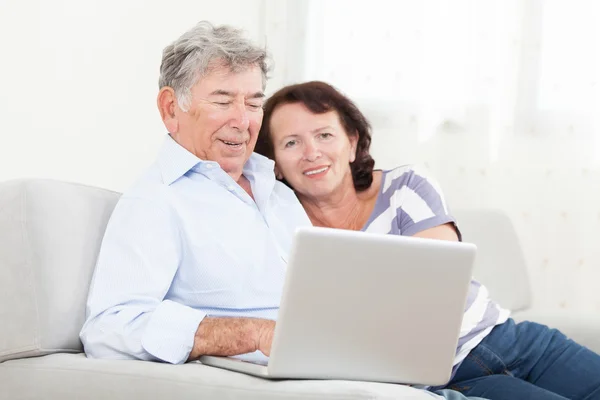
320	143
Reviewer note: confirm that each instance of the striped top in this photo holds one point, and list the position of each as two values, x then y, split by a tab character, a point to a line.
410	202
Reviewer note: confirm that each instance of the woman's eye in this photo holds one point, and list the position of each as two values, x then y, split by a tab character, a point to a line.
291	143
326	135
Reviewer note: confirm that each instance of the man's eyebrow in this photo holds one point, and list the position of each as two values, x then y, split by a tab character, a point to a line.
257	95
221	92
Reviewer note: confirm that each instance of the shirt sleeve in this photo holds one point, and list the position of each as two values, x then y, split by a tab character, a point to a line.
127	315
422	203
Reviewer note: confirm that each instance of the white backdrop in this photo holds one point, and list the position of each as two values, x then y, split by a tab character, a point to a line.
80	78
498	98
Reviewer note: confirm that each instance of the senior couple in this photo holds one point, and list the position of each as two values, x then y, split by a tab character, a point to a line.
193	258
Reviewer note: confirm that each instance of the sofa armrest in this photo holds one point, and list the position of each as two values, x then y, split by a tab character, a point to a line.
584	328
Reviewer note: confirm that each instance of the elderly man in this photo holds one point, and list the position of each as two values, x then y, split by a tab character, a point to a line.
193	258
203	235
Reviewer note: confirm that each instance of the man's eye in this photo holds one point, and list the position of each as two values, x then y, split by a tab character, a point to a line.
255	106
222	103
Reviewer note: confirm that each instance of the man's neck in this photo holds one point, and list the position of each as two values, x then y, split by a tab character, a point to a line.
245	184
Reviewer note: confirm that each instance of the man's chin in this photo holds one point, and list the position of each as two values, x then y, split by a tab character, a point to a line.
233	165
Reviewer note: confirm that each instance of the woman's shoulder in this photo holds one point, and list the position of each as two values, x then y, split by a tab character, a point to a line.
397	172
397	177
409	175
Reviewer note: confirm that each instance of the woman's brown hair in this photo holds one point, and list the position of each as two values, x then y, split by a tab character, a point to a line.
319	98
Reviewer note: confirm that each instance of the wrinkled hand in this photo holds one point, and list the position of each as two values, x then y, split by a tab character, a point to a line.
266	329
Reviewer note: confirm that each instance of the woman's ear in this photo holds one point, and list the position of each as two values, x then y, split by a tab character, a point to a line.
278	174
353	146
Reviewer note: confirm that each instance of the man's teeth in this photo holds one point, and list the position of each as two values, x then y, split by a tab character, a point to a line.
231	143
316	171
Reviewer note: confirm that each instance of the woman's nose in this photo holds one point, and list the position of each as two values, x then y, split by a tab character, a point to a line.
311	152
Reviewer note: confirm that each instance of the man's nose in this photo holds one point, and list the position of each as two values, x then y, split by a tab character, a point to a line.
240	119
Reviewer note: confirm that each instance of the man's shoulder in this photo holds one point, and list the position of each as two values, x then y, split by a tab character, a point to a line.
149	185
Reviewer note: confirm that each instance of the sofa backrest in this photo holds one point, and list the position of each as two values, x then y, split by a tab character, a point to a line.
500	263
50	234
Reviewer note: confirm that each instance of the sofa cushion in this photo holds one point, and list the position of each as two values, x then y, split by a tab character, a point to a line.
500	263
50	234
73	376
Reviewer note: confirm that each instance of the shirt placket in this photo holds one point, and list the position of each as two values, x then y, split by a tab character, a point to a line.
224	180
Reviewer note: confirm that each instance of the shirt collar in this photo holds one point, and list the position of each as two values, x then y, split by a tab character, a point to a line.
175	161
258	164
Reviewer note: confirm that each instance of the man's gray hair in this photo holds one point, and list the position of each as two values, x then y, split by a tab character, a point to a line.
189	58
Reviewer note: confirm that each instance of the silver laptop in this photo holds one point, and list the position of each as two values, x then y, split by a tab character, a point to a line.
371	307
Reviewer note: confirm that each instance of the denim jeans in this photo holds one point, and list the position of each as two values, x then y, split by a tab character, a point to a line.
454	395
529	361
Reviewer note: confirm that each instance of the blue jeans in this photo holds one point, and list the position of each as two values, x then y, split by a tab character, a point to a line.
453	395
528	361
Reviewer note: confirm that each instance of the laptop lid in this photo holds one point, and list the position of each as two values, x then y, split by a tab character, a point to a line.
363	306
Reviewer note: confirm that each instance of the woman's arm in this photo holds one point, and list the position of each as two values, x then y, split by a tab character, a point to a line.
442	232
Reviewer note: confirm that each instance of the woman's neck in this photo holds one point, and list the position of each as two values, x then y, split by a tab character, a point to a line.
344	209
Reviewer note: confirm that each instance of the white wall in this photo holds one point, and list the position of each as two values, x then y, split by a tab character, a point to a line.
77	103
80	78
501	100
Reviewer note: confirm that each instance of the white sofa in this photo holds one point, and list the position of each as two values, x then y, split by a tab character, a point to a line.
50	234
501	267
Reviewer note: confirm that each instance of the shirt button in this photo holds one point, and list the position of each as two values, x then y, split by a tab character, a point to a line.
231	188
209	166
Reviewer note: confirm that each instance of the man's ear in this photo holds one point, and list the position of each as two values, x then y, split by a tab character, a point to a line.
166	102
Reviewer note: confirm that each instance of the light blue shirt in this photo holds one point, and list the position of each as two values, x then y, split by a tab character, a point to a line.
186	241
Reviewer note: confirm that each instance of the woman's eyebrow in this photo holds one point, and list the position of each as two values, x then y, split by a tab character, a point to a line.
320	129
287	137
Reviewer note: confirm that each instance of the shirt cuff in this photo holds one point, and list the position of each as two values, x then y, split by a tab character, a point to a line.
169	334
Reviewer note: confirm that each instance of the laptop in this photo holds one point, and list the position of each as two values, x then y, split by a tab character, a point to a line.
368	307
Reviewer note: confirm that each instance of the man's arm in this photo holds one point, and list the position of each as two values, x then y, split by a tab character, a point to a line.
127	313
232	336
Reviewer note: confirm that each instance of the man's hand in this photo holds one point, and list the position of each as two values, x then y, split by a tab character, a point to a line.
220	336
265	336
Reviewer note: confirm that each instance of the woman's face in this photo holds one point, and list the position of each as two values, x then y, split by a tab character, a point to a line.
313	152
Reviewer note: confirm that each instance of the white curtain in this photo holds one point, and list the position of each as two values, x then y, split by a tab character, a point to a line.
500	98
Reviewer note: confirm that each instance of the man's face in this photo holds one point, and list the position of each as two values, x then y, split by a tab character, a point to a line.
224	117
